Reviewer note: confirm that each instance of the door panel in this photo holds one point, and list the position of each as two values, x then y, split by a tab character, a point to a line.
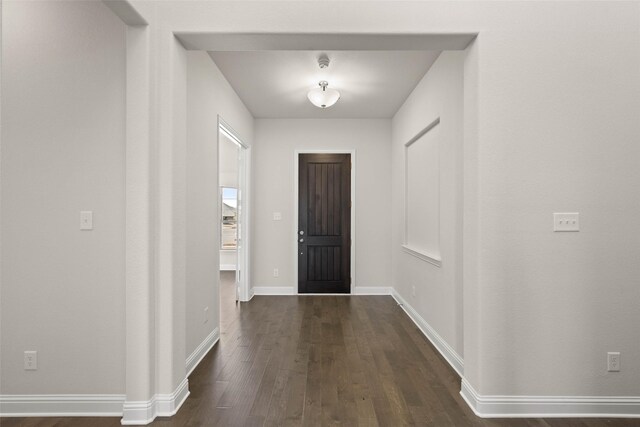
324	235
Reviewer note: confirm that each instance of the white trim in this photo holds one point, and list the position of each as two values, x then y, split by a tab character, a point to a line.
227	267
160	405
230	133
251	294
139	412
290	290
201	351
550	406
273	290
373	290
431	259
61	405
244	252
325	295
169	404
450	355
296	164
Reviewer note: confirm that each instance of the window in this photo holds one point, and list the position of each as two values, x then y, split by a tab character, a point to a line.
229	215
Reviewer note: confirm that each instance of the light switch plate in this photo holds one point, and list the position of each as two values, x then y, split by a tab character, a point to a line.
86	220
613	361
30	360
566	221
277	216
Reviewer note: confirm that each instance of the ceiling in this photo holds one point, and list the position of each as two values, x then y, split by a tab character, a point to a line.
372	84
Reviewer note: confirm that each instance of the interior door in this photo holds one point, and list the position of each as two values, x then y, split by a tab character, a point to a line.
324	223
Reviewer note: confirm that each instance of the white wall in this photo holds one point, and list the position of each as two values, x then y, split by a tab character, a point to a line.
208	95
438	290
63	145
273	157
557	133
228	162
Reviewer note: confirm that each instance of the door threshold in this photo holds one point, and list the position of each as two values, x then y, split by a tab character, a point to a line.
324	294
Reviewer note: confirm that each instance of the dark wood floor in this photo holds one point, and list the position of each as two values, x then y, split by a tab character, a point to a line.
320	361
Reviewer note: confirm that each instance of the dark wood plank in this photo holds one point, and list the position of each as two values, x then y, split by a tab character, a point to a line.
337	199
317	194
330	199
324	194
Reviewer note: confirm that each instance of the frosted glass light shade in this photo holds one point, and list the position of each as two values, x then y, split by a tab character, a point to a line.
323	97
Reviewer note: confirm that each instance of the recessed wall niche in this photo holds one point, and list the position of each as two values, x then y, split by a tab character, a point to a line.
422	195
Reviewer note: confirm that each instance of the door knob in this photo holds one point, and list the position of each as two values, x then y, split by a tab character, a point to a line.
301	240
301	232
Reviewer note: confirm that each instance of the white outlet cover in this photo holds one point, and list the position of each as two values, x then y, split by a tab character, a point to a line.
277	216
86	220
569	221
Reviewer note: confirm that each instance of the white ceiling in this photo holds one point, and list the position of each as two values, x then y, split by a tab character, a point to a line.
372	84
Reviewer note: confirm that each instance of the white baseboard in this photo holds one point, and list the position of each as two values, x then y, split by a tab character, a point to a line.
95	405
373	290
61	405
201	351
273	290
169	404
550	406
289	290
161	405
227	267
139	412
251	294
450	355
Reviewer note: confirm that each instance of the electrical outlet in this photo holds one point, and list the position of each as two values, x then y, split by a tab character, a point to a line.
86	220
206	315
276	272
413	290
613	361
30	360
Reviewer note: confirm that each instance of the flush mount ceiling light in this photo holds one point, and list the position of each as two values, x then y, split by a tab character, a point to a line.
323	97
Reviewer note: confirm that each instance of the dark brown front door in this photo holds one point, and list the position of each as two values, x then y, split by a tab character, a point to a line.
324	223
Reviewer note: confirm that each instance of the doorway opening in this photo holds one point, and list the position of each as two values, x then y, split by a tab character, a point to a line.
233	215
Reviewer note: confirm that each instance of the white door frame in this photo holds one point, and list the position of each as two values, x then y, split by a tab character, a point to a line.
244	251
296	164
